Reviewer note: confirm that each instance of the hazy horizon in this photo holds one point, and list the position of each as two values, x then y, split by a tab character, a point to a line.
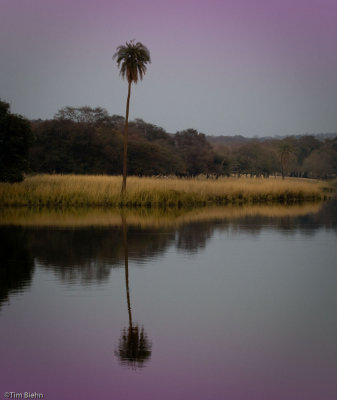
235	67
204	132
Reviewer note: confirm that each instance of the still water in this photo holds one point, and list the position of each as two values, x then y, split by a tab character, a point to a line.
229	305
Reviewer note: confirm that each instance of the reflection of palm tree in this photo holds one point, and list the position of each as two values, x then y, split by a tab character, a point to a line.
134	348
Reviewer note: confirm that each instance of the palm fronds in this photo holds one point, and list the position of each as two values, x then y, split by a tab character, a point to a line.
131	59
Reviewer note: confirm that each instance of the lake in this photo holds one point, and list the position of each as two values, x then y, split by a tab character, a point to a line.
227	303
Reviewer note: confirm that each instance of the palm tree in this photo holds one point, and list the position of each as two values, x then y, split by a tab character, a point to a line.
131	60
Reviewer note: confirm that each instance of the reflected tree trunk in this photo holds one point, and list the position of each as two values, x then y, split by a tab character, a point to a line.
126	265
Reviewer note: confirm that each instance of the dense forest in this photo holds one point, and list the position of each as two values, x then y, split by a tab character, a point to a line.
15	139
89	141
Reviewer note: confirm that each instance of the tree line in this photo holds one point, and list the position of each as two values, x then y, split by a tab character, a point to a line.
86	140
90	141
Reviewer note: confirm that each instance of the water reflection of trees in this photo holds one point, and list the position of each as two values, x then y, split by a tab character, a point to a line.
134	347
85	254
194	236
77	255
17	263
88	254
305	224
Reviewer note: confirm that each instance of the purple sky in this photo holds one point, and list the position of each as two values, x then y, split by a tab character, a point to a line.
250	67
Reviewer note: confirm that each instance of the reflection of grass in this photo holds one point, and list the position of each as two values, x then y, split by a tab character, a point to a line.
143	217
88	190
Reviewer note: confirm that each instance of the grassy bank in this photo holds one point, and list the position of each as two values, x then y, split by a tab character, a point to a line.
88	190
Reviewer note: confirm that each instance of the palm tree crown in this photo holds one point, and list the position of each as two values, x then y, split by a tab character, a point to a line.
132	59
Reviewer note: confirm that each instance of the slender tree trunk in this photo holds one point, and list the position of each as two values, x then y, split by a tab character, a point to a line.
126	264
125	149
282	165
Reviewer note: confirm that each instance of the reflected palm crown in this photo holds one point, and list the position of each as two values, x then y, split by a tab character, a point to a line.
134	347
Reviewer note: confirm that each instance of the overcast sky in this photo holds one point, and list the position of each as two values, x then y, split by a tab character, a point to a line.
250	67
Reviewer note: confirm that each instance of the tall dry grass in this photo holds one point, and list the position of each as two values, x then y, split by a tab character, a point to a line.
89	190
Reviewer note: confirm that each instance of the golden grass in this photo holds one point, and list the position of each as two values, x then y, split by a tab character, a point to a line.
89	190
144	217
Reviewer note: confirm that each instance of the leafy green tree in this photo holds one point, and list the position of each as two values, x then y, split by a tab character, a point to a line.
152	132
131	59
64	146
285	151
152	151
303	146
195	150
222	160
84	114
256	159
307	144
322	162
151	158
15	139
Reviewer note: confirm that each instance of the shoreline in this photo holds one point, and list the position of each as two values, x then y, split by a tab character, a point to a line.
66	191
